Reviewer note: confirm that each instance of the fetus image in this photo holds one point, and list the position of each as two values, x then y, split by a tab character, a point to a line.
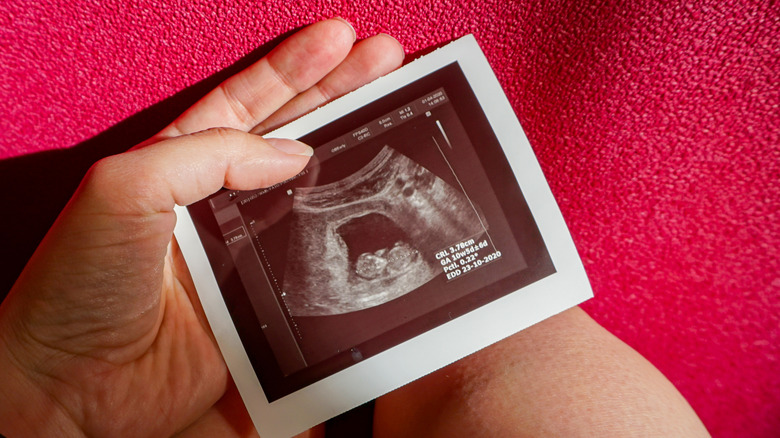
371	237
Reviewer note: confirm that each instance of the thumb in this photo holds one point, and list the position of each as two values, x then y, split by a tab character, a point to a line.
103	260
130	197
186	169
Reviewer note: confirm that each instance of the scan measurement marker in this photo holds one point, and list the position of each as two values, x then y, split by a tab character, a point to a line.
447	139
275	287
464	191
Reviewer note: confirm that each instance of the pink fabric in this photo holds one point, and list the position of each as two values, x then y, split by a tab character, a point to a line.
656	125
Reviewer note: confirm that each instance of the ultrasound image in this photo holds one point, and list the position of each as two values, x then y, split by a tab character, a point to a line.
372	236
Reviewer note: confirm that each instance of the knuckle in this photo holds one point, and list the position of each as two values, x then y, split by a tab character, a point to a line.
326	92
236	95
104	169
119	177
284	79
221	133
224	139
106	178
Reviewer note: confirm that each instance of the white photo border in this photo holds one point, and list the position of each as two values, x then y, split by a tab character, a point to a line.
436	348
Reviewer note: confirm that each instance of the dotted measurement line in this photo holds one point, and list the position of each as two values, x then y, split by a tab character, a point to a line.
468	198
283	294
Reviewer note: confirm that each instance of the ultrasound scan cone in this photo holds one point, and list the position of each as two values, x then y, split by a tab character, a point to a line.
372	236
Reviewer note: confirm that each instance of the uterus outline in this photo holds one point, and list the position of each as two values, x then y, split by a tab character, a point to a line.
372	236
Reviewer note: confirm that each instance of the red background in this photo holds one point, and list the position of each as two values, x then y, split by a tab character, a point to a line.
657	125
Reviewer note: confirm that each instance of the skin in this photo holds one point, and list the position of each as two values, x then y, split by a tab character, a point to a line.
103	334
563	377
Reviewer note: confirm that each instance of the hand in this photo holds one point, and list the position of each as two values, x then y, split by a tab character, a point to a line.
102	334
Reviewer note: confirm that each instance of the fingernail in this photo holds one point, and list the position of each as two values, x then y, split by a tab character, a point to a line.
291	147
392	38
354	34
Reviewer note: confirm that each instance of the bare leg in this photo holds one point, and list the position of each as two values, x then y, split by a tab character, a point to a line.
566	376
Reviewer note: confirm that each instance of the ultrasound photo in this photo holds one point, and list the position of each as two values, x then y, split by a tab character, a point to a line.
374	265
372	236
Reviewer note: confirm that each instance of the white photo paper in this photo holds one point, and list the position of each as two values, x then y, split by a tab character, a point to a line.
422	231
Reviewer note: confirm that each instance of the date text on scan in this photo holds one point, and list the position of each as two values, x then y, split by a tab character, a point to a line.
466	256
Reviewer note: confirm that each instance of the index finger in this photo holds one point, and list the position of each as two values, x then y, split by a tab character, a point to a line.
246	99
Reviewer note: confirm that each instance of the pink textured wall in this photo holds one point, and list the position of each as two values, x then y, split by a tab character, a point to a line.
657	125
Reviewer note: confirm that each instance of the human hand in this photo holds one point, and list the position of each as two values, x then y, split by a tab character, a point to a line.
102	334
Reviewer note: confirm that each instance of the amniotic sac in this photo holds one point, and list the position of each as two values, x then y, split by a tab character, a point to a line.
372	236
